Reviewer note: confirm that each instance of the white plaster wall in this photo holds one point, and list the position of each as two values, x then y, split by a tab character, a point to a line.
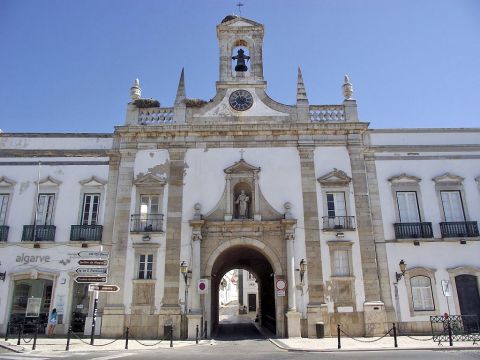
427	170
54	142
326	159
279	181
438	256
68	201
425	136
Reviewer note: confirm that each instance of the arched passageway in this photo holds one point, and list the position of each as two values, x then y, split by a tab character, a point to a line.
248	258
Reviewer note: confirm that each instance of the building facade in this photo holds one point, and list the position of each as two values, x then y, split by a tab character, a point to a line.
242	182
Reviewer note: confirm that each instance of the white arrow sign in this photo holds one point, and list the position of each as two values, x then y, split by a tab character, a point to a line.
94	254
92	271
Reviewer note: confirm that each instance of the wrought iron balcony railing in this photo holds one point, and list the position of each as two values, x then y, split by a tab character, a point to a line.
333	223
146	223
42	233
459	229
4	232
86	233
413	230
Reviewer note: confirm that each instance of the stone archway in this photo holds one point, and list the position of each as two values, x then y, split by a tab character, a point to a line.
256	257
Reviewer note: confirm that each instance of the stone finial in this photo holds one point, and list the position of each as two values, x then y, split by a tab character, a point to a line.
181	89
135	90
288	206
347	88
197	207
301	92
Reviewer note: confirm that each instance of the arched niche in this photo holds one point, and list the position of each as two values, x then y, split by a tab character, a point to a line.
242	201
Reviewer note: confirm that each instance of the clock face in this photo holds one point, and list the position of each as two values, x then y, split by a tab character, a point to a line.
241	100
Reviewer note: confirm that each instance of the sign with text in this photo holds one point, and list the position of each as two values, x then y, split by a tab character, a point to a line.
91	279
93	262
103	288
33	307
92	271
446	288
94	254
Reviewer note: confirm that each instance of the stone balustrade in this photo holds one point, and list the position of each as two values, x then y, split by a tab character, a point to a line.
319	113
155	116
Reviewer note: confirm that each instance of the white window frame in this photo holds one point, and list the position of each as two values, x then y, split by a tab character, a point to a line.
426	272
143	260
90	218
450	182
341	262
45	208
338	197
149	197
412	209
422	296
4	202
446	197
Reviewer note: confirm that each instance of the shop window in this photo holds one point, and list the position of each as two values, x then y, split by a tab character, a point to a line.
422	295
145	266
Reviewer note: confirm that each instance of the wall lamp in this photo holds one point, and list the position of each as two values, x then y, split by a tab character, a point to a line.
403	268
303	270
185	272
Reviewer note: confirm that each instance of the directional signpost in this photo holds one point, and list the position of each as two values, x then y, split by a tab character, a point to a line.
103	288
92	271
93	262
91	279
94	254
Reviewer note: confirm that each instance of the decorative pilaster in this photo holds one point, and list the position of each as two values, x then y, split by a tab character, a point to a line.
194	316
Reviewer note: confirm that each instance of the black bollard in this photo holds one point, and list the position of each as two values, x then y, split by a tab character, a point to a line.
196	336
20	331
338	336
395	343
6	331
34	346
205	331
171	336
126	338
450	333
69	333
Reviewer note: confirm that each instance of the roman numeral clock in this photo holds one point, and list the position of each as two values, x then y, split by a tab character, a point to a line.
241	100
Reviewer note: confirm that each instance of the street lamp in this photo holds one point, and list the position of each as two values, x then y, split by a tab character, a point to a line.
403	268
186	275
303	270
184	271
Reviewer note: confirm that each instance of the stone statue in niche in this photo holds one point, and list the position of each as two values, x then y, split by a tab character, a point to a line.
240	57
242	203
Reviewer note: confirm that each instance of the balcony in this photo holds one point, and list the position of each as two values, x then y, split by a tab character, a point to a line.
42	233
86	233
459	229
338	223
142	223
413	230
4	232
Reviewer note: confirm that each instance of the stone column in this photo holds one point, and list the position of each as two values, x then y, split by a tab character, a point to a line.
170	312
293	317
119	194
314	274
195	314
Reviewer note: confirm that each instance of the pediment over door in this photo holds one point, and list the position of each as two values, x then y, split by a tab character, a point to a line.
335	178
242	198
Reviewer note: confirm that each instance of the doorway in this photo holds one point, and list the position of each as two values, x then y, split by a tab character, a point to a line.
468	300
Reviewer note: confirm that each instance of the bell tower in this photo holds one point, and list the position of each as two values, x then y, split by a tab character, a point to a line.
240	41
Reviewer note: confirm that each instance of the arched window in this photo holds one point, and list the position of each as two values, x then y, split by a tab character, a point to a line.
422	295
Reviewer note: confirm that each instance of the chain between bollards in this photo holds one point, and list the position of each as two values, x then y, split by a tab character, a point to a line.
6	331
126	337
196	336
69	334
34	346
20	332
171	336
338	336
395	343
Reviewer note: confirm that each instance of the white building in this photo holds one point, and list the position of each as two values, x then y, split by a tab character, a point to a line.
244	182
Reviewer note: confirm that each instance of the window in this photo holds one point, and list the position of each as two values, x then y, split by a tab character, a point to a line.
341	265
336	204
408	206
90	209
422	293
3	208
452	206
145	266
45	209
149	204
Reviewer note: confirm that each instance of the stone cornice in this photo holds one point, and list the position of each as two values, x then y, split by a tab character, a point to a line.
7	153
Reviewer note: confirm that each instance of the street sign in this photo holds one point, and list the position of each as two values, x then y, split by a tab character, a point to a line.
281	285
93	262
202	287
103	288
92	271
91	279
94	254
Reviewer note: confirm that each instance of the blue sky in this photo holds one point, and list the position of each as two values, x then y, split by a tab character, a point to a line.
67	66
